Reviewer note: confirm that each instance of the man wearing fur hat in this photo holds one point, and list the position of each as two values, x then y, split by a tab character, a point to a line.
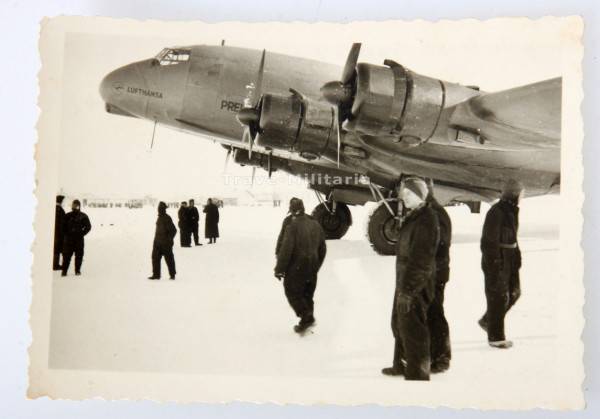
416	248
439	331
300	254
75	227
500	262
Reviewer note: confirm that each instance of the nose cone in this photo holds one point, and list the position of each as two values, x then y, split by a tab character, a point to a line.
117	87
113	86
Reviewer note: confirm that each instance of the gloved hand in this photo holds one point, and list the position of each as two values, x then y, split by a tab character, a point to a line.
279	275
403	304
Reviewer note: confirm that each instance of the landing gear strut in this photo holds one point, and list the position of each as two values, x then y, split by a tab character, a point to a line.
334	218
382	228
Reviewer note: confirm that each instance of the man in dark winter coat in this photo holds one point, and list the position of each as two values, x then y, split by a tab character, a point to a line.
75	227
439	332
183	224
193	219
59	237
500	262
286	221
211	222
299	259
418	239
163	243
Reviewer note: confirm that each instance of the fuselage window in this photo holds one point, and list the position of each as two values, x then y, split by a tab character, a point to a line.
169	56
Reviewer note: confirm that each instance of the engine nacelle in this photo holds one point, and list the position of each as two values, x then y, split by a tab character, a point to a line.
395	101
297	124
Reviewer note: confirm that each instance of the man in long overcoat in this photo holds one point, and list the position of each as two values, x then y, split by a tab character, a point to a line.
163	243
183	224
211	221
76	226
418	239
500	262
299	259
439	331
59	237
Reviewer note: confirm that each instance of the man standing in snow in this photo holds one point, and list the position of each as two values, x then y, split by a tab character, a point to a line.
163	243
184	232
500	262
418	239
211	221
193	219
439	331
299	259
286	221
59	237
76	226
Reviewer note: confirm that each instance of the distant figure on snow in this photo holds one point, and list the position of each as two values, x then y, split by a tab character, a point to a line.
184	231
76	226
193	219
418	239
163	243
300	256
500	262
211	223
59	236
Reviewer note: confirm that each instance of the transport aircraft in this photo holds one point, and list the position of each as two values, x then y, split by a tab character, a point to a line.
354	132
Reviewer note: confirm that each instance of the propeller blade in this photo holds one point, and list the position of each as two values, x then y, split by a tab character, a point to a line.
338	122
250	147
246	136
351	63
258	87
252	180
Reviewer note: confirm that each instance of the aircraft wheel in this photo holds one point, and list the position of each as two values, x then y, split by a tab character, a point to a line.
334	225
381	229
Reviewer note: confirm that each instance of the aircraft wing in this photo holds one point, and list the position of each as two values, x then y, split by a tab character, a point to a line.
521	118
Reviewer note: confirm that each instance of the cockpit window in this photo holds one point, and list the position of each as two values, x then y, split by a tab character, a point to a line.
172	56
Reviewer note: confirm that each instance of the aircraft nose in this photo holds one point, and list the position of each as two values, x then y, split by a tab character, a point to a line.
115	86
112	85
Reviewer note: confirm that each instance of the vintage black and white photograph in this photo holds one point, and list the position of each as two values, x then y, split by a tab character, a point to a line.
375	212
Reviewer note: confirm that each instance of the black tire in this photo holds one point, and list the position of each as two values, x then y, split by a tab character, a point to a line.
381	229
334	225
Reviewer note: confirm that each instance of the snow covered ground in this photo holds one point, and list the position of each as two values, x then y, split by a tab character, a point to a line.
226	314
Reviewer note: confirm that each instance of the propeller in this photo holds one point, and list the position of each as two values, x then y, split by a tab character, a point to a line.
250	116
341	93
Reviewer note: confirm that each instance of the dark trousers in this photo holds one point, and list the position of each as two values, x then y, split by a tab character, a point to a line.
158	252
72	245
502	290
439	332
411	351
58	246
184	237
194	231
299	289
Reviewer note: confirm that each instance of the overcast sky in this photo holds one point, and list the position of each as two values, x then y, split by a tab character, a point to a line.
106	154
